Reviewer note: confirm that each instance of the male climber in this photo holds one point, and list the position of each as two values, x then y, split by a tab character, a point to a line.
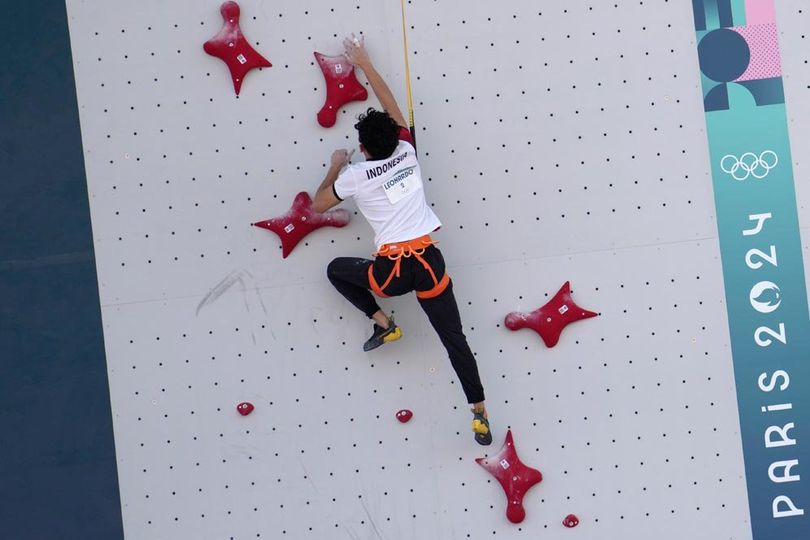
388	191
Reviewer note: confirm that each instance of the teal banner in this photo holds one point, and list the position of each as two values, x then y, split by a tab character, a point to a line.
761	254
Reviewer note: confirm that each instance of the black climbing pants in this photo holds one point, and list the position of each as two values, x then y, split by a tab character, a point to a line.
349	275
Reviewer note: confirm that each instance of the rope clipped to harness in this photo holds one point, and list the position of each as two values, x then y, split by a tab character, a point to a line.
411	248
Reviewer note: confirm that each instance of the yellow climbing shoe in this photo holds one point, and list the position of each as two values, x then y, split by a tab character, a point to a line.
480	427
382	335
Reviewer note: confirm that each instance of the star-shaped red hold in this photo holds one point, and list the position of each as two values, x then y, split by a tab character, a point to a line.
342	87
300	220
549	320
515	477
230	46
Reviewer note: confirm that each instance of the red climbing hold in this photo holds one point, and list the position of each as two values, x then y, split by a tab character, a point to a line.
245	408
230	46
300	220
404	415
342	87
571	521
549	320
515	477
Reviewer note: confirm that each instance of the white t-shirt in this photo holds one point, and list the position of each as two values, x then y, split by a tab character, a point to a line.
390	194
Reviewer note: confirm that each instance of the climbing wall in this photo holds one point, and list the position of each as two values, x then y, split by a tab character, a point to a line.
559	142
794	24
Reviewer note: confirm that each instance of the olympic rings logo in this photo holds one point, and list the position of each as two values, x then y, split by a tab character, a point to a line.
749	164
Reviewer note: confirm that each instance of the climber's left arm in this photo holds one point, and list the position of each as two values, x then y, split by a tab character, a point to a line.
327	196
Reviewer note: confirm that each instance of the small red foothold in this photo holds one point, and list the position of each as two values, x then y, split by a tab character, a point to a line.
300	220
550	320
245	408
342	87
571	521
404	415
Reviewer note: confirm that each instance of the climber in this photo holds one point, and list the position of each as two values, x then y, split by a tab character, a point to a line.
388	191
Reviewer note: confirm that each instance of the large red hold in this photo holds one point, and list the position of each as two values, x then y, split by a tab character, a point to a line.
515	477
550	320
342	87
230	46
300	220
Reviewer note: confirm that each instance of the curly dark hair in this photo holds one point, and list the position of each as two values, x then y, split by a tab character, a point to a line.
379	134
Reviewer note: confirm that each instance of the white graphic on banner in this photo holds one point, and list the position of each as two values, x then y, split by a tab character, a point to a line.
749	164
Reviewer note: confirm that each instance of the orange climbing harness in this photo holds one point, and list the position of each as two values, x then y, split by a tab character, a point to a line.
395	252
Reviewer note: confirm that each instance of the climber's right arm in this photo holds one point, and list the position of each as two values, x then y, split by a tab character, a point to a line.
358	56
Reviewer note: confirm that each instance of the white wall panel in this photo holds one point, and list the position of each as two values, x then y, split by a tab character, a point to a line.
560	141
